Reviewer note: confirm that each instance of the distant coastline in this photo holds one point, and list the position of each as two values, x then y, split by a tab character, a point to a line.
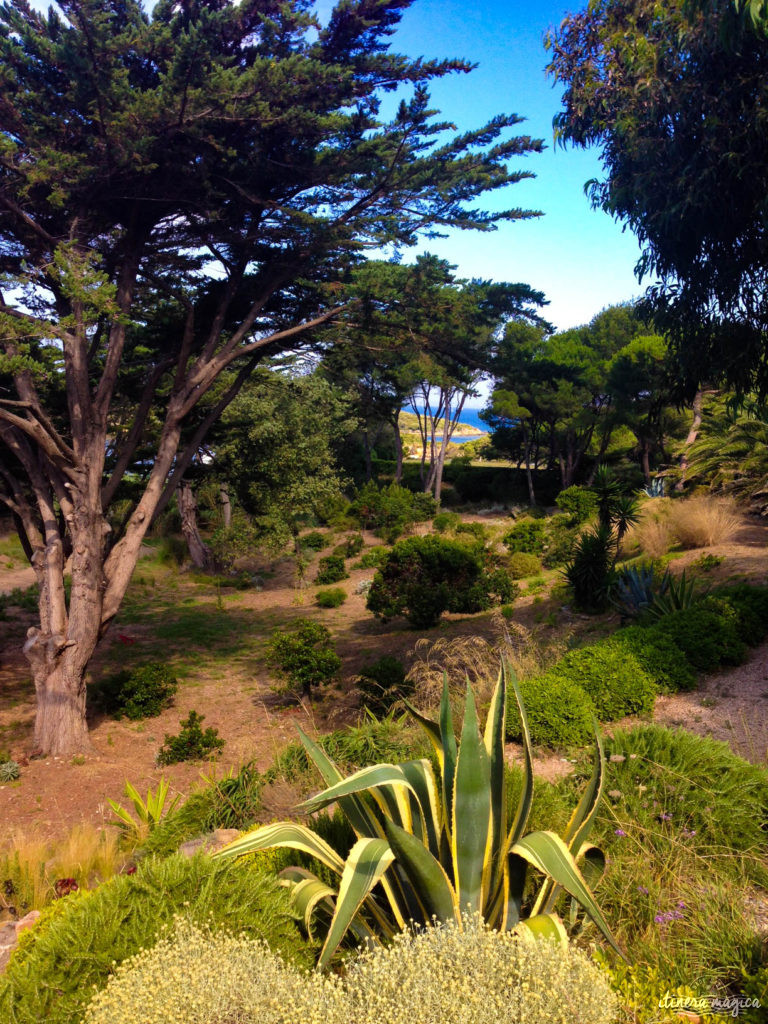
470	427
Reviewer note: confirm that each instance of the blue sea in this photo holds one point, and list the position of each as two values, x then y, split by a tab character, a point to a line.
469	417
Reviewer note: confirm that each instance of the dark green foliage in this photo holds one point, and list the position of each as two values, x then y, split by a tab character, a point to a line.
353	545
140	693
590	570
561	540
314	541
659	655
446	522
51	977
528	535
521	565
383	683
426	576
476	530
578	503
613	677
635	590
331	569
706	638
500	586
374	557
304	655
559	712
331	598
391	510
192	743
750	602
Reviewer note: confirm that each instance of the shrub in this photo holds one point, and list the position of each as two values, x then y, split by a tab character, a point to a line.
612	676
501	587
353	545
426	576
423	507
706	638
445	522
476	530
391	510
469	974
52	974
521	565
528	535
192	743
304	655
314	541
331	569
750	604
374	557
383	683
703	520
659	656
560	541
578	503
141	693
590	571
487	977
559	712
331	598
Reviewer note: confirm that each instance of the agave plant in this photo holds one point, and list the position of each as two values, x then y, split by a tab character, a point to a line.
149	812
636	590
441	844
679	594
9	771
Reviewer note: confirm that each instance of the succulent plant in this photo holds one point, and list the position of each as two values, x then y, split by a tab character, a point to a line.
9	771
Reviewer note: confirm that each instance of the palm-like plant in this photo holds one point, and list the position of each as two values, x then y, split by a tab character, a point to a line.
441	843
733	456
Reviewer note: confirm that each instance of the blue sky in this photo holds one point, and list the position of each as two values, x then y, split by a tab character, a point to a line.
577	256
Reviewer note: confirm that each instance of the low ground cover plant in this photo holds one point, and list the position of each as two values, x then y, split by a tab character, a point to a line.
192	743
333	597
469	974
304	655
613	677
78	941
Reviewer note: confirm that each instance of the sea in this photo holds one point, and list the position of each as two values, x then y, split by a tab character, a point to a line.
470	417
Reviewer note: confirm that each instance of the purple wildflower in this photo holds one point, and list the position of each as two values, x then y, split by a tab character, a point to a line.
642	890
619	832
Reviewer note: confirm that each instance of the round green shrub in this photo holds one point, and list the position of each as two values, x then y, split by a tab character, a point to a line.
304	655
476	530
192	743
705	637
578	503
51	976
613	677
501	586
331	569
331	598
521	565
445	522
374	557
559	712
426	576
659	655
750	603
314	541
383	683
142	692
528	535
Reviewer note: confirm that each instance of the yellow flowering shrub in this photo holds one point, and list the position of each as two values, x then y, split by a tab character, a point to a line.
439	976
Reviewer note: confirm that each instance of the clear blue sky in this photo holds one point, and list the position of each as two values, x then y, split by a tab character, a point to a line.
577	256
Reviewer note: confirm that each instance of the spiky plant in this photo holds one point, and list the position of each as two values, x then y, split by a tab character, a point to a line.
9	771
438	844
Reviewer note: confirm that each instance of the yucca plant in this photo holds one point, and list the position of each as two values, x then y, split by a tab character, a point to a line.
149	812
439	844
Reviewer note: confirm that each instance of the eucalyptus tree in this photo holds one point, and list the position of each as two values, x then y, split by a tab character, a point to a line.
230	161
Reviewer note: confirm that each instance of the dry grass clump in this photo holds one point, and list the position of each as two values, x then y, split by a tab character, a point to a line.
475	659
33	865
442	975
652	534
704	520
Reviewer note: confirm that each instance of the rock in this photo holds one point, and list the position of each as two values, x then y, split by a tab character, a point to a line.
210	843
617	758
26	922
9	936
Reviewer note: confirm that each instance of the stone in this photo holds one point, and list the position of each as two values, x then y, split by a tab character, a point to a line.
210	843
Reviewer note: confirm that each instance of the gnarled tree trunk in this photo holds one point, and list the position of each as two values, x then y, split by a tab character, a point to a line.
199	551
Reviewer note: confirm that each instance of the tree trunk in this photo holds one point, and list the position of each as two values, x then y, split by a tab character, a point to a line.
528	474
60	725
199	551
368	459
693	433
645	459
226	506
398	448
